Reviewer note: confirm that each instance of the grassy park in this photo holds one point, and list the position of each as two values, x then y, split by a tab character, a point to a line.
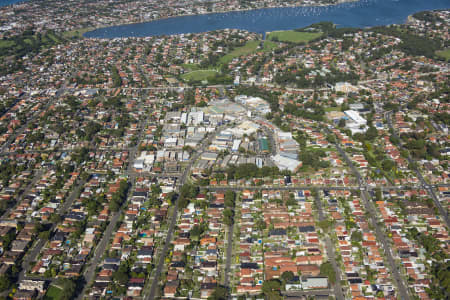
199	75
445	54
78	33
293	36
248	48
53	293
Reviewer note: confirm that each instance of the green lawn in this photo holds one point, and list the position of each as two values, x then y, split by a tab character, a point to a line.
444	54
269	45
191	67
330	108
6	44
248	48
53	38
199	75
77	33
29	41
293	36
53	293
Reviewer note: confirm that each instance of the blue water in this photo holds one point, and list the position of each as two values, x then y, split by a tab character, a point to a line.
9	2
364	13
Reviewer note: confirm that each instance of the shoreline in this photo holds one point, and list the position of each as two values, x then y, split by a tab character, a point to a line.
210	13
18	2
142	33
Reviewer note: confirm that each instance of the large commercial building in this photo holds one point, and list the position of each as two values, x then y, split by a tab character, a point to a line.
355	122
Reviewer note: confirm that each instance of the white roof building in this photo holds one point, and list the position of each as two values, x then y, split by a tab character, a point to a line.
355	117
184	118
236	144
195	117
285	163
355	122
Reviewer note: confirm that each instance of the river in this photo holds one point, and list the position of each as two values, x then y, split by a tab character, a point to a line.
364	13
9	2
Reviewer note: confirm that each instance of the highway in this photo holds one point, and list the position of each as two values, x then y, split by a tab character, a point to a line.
381	236
443	212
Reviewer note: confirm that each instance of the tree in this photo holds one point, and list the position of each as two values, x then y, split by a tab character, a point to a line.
187	192
92	207
271	289
120	196
44	235
371	133
331	138
378	194
228	216
388	165
291	201
38	227
311	158
122	274
196	232
8	238
229	198
220	293
325	225
156	189
117	81
68	286
5	283
287	276
356	236
326	269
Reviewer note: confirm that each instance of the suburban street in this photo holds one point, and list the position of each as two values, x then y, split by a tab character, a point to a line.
381	236
150	292
37	175
29	121
229	249
36	248
330	251
297	153
311	187
296	294
89	272
425	185
172	221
